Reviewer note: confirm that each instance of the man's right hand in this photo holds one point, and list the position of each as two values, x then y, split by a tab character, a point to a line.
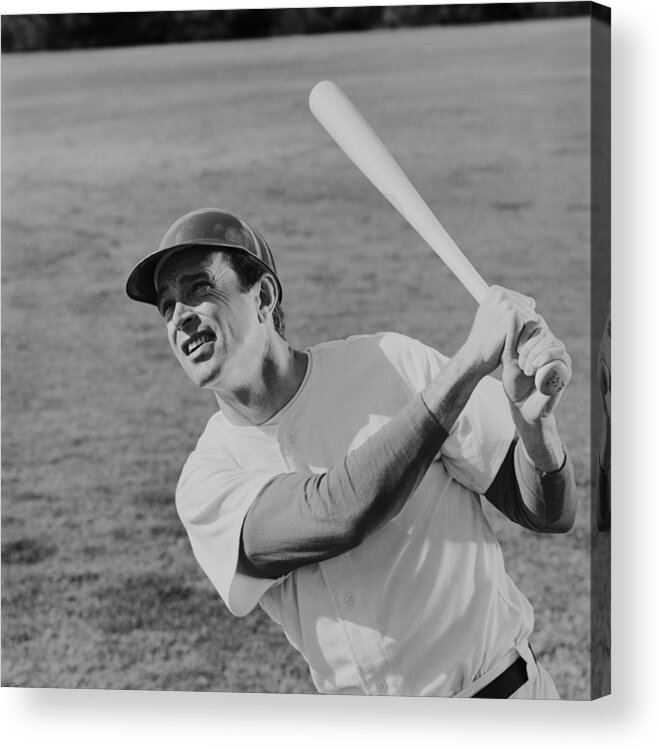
503	319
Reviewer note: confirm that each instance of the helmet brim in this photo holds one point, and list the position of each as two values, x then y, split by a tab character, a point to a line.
141	283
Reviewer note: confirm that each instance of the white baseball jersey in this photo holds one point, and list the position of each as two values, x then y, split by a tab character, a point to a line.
423	606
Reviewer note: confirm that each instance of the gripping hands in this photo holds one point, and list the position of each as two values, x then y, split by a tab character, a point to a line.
507	330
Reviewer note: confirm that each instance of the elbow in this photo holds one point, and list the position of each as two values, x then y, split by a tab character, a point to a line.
561	526
363	523
564	521
567	521
344	534
341	523
560	500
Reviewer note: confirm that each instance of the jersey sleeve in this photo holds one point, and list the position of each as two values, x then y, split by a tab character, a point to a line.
212	498
480	438
416	363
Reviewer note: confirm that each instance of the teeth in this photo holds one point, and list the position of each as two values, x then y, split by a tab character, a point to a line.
198	341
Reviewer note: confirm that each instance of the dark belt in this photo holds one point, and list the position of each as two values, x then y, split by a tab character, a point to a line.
507	683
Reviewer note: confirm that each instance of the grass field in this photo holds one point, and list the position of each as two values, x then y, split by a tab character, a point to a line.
102	150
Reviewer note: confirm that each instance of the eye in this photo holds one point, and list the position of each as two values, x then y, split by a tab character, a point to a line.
199	287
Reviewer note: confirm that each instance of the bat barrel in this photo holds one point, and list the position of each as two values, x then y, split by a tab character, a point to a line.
353	134
357	139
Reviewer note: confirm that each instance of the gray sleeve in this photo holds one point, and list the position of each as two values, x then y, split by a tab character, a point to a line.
298	519
542	502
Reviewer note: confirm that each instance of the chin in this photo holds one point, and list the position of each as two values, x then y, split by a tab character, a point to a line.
202	377
203	382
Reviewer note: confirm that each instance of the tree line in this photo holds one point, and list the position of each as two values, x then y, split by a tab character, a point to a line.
58	31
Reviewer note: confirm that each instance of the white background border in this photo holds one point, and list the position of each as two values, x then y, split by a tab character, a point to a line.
49	719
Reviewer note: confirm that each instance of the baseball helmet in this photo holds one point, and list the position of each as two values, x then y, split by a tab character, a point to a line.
206	227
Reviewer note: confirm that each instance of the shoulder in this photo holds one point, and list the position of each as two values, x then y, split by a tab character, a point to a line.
214	444
397	345
387	342
214	433
413	362
206	471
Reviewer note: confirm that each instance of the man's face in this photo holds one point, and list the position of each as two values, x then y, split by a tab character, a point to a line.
212	326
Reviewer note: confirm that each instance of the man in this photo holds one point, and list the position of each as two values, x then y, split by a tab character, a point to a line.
341	487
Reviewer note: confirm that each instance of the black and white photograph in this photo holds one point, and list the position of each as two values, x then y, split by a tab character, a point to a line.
306	337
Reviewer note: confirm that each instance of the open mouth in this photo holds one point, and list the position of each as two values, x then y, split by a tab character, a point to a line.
196	341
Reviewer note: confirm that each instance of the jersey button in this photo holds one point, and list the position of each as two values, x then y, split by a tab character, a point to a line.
350	598
292	438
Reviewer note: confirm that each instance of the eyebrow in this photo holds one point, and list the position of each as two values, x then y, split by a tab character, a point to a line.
187	278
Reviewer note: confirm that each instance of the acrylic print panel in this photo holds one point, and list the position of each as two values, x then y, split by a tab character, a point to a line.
110	136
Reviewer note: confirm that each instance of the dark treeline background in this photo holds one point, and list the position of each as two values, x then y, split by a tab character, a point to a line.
21	33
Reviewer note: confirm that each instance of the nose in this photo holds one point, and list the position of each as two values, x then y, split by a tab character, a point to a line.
182	316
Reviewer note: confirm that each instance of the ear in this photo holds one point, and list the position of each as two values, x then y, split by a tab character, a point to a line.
267	297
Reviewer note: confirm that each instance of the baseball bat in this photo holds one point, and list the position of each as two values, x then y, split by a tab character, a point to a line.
353	134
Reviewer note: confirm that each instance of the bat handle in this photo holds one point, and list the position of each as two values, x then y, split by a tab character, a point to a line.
551	378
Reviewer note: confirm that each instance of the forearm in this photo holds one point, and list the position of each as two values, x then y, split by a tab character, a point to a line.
300	519
540	501
549	496
541	441
447	395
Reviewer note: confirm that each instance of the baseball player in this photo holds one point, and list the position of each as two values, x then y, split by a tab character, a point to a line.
341	487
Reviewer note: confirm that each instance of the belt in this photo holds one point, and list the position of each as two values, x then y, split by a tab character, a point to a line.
507	683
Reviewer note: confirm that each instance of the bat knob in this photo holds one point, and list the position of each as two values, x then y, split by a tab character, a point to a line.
552	378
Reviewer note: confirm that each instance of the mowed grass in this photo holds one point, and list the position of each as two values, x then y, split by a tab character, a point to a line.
101	150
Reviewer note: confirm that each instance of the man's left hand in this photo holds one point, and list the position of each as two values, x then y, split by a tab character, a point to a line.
522	356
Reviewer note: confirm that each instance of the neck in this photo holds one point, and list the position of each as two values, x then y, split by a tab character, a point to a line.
275	382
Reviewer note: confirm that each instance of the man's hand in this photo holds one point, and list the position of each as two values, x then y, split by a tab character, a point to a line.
534	347
508	330
500	311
